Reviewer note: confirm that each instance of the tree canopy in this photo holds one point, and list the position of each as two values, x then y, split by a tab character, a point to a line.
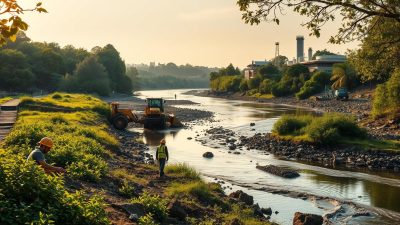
10	21
356	15
322	52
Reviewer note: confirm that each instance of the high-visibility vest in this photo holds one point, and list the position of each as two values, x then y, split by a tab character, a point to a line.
161	152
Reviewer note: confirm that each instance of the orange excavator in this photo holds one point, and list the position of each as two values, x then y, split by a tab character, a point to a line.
154	116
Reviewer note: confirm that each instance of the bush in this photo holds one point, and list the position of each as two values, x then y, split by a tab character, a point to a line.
266	86
387	97
315	85
226	83
28	195
326	129
291	124
153	204
147	220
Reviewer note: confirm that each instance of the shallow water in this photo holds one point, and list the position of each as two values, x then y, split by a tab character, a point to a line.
377	192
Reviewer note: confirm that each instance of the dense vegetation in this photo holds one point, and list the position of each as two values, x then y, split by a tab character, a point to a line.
27	66
326	129
77	125
170	75
387	97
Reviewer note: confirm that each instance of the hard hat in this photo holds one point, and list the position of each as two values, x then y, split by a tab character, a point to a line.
46	141
162	141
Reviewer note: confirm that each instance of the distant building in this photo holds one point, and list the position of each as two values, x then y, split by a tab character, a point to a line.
251	69
324	62
300	48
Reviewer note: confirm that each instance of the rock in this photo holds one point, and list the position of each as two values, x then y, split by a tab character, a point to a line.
189	138
279	171
134	210
267	211
236	153
208	155
307	219
243	197
134	217
176	210
257	210
252	124
232	147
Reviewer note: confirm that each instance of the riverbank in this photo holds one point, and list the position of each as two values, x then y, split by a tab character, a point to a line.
111	177
358	105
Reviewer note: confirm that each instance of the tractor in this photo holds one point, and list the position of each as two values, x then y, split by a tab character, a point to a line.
154	116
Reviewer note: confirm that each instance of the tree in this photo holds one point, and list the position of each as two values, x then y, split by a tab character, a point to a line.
379	54
115	66
356	15
89	77
322	52
231	70
15	73
343	75
10	21
72	56
133	74
269	71
387	97
280	61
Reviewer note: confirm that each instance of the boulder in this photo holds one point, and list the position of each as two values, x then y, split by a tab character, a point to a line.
176	210
307	219
135	210
242	197
208	155
279	171
267	211
252	124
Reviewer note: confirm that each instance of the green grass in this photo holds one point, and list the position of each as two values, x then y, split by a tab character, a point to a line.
124	174
264	96
66	102
331	128
392	145
81	136
5	99
182	170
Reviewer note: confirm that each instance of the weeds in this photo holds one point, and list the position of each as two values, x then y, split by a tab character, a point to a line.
182	170
153	204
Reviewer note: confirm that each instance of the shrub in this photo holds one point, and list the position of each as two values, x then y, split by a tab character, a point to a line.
291	124
326	129
226	83
266	86
153	204
127	189
147	220
387	97
315	85
28	195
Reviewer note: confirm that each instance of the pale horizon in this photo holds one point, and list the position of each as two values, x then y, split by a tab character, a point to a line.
206	33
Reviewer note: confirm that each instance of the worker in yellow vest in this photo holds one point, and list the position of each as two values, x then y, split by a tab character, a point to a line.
162	156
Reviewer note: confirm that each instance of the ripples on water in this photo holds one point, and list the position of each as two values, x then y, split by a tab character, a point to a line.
378	192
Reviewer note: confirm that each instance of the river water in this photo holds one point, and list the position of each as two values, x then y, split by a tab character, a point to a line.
351	191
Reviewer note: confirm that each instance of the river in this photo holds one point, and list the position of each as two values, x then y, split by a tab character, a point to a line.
351	191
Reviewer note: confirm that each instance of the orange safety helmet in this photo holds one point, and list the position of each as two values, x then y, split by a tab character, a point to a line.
162	141
46	141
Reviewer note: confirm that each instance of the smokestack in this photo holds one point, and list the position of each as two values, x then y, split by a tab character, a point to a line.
300	48
310	53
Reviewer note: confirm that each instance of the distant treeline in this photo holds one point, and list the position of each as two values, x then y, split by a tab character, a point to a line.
27	66
167	76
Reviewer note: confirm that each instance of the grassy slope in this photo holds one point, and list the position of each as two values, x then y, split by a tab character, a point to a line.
4	100
91	155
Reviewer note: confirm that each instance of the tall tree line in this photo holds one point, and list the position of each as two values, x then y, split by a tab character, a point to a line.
27	66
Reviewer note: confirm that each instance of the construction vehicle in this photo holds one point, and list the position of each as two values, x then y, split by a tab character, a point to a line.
154	116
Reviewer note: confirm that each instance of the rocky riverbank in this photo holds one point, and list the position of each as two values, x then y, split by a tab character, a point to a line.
359	105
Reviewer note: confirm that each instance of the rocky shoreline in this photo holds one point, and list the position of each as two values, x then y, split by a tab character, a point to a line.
359	105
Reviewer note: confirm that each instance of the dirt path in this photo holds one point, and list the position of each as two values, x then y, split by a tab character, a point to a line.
8	116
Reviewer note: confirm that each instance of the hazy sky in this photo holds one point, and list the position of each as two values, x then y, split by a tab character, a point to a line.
199	32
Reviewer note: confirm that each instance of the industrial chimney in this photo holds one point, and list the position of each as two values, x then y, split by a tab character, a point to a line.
310	53
300	48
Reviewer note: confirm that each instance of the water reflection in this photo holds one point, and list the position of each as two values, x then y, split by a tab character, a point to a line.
153	137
